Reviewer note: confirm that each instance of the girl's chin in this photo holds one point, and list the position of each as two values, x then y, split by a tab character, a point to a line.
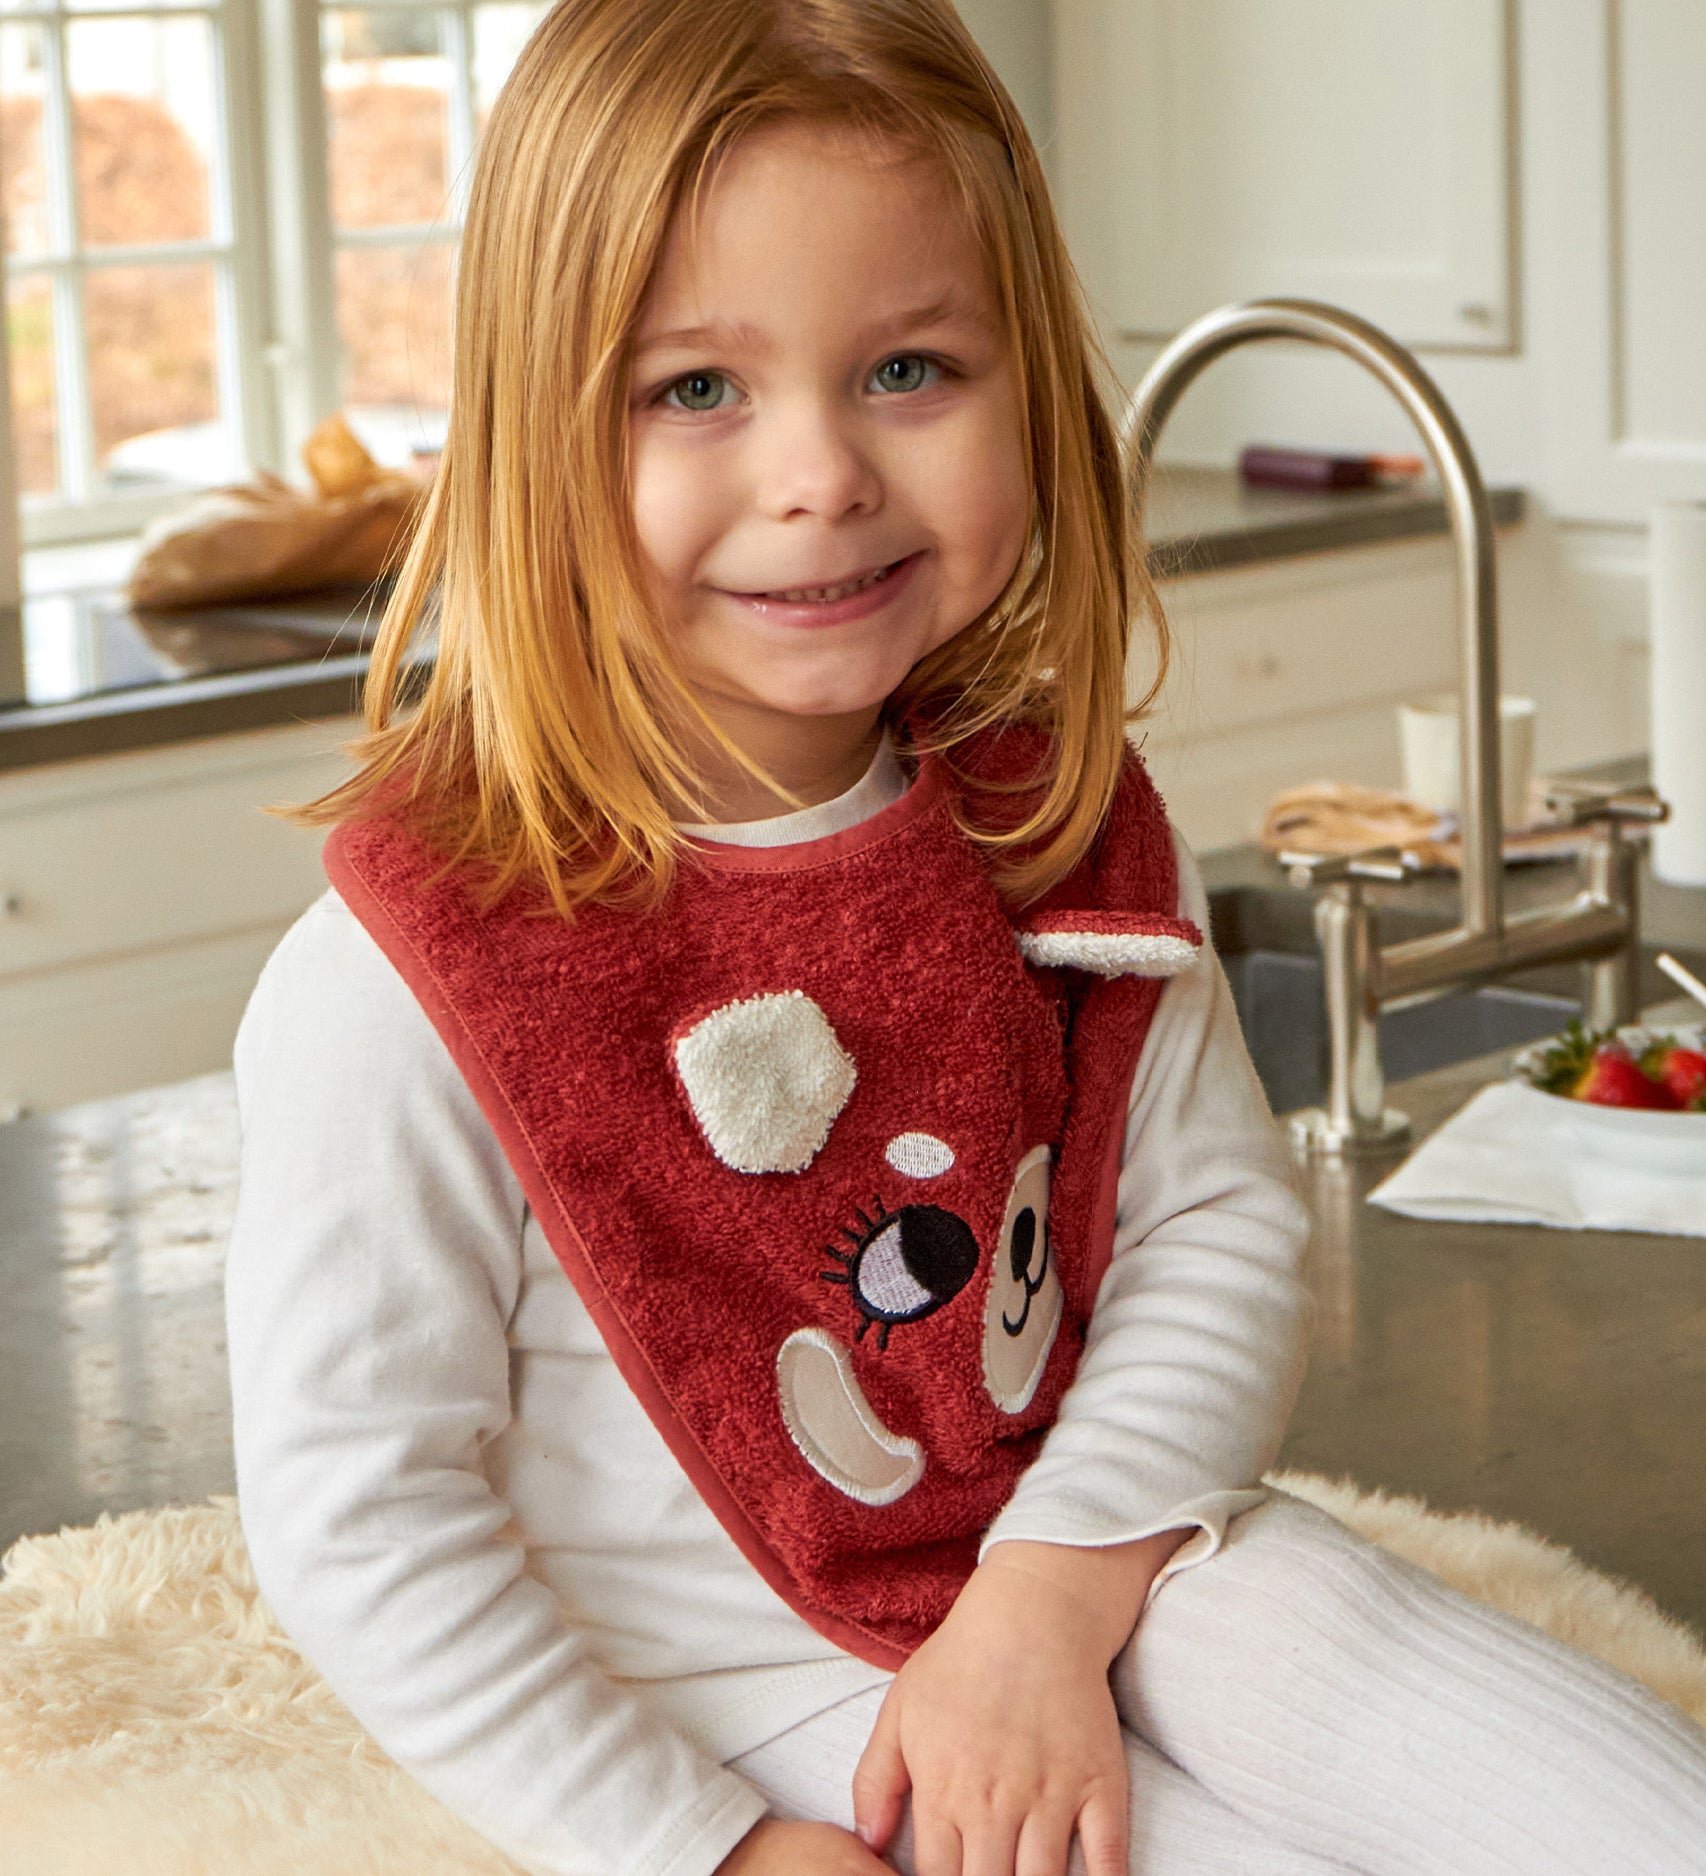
821	705
838	693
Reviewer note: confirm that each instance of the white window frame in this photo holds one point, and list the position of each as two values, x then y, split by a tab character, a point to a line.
445	230
272	238
232	247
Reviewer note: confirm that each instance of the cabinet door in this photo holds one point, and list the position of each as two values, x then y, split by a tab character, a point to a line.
1356	151
139	897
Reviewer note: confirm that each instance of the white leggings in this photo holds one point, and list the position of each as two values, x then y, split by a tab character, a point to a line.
1304	1704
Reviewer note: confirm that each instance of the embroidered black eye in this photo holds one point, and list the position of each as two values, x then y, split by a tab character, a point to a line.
904	1265
1024	1242
1019	1254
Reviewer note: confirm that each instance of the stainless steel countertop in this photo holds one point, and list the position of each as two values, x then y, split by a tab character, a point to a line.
169	678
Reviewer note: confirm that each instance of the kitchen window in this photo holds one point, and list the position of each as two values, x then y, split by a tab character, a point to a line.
407	91
223	220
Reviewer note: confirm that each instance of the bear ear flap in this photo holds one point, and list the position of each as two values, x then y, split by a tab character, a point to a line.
765	1077
1110	944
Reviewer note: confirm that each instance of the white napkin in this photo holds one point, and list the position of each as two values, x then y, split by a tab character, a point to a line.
1517	1156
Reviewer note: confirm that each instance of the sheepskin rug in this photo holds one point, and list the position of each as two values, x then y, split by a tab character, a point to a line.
155	1721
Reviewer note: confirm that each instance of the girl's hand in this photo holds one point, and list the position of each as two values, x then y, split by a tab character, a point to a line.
774	1848
1003	1723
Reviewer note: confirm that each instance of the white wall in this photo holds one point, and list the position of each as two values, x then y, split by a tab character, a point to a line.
1017	38
1586	384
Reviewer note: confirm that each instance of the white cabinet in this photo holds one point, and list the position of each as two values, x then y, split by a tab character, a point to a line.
139	896
1291	671
1355	151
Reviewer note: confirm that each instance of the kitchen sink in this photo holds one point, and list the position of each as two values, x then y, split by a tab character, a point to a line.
1266	941
1283	1011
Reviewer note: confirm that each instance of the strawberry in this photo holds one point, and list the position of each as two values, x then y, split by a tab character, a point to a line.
1681	1070
1615	1079
1594	1066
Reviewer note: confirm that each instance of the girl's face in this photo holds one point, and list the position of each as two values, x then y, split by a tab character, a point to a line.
828	473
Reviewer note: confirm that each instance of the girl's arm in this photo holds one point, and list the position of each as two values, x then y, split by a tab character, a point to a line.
1197	1345
373	1269
1003	1724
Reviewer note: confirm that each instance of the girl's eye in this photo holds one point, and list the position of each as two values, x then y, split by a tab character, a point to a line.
699	390
906	371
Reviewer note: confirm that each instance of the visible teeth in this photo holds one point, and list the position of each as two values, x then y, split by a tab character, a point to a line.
817	595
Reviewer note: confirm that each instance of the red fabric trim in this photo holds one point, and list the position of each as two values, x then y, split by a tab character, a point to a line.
541	1194
1098	922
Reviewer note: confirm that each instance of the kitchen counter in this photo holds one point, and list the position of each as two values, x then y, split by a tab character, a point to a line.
1205	520
102	678
1553	1377
99	677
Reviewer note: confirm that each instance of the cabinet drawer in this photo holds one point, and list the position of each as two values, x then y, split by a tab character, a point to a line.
1217	788
1334	633
133	852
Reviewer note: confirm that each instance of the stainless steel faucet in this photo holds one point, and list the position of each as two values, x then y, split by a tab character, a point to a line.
1598	925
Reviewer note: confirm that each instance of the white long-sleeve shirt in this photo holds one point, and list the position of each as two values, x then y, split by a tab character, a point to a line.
468	1523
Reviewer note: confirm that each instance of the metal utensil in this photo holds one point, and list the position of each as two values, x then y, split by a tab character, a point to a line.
1681	974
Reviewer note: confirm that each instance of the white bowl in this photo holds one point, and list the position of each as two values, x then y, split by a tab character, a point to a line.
1677	1140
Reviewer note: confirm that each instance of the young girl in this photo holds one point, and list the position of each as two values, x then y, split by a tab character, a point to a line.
765	1285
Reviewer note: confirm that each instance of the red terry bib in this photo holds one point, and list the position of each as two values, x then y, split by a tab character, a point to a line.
828	1148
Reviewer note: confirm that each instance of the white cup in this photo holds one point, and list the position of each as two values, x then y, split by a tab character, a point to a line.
1428	737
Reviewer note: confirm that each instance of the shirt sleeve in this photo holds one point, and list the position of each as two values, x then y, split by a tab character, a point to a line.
374	1265
1196	1346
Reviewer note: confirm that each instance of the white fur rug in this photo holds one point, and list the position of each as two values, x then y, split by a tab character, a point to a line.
155	1722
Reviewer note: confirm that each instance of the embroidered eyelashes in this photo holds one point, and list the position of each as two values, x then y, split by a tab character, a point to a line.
903	1265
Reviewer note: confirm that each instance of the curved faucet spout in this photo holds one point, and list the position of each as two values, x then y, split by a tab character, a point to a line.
1222	331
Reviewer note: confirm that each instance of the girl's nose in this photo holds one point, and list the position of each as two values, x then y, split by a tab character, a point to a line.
812	463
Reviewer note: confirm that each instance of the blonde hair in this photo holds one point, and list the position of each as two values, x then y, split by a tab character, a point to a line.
548	745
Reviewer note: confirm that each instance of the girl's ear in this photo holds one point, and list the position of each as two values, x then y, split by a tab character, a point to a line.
1109	944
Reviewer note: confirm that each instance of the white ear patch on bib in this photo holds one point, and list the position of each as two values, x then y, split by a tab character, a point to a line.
1110	944
765	1077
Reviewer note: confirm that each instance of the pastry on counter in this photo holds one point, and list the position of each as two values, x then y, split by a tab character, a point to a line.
265	539
1346	817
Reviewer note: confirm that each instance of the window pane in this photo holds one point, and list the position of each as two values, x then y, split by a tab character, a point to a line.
153	386
23	172
136	6
394	315
388	88
35	416
143	110
499	34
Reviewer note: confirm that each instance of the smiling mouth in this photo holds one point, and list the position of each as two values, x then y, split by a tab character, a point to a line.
825	595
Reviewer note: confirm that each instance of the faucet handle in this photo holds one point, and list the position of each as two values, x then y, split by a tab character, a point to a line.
1578	804
1393	864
